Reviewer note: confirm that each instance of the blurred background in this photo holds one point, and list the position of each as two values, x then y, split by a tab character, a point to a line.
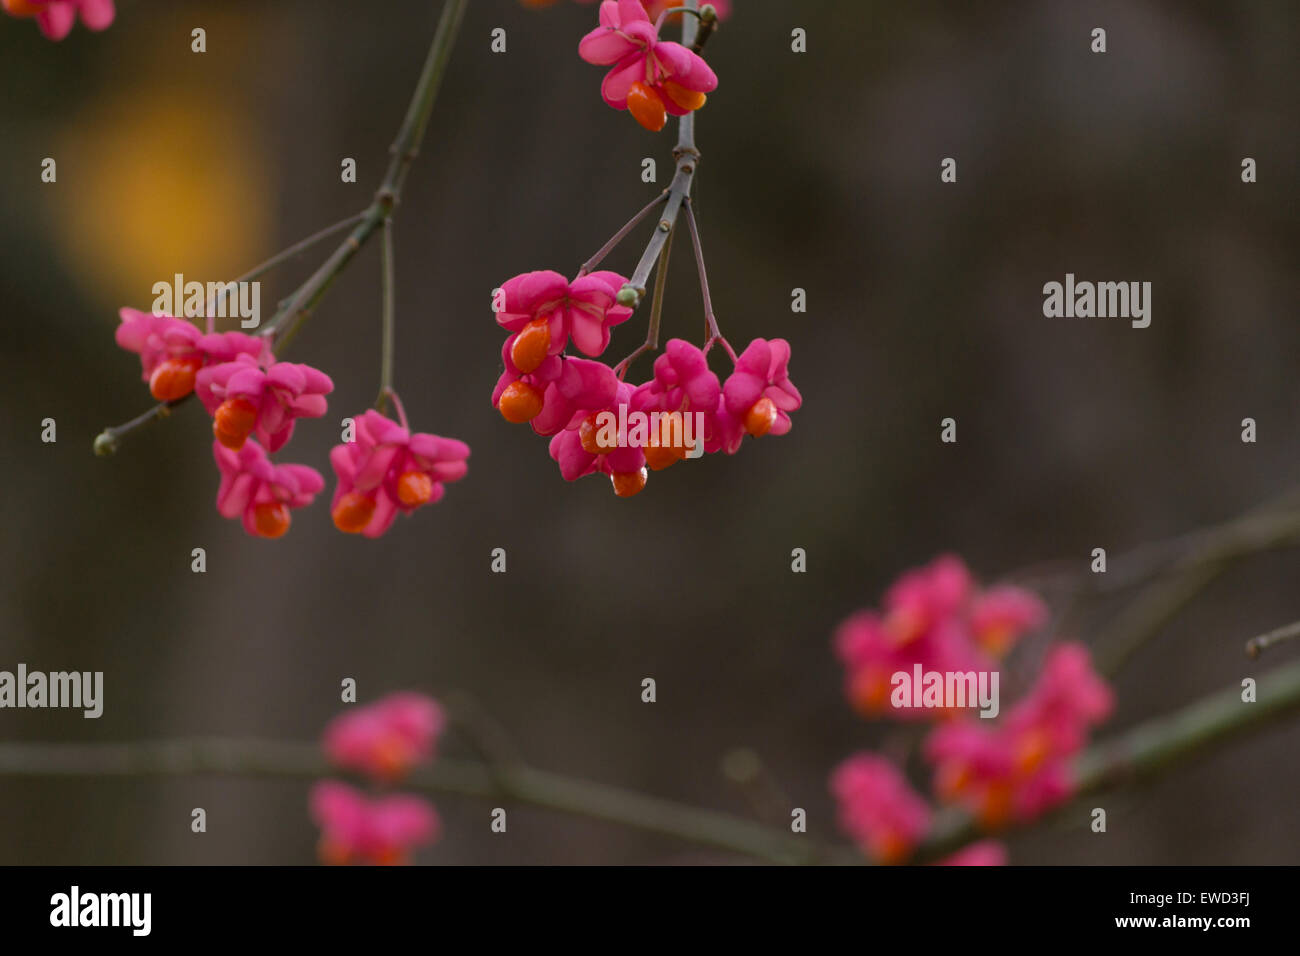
820	171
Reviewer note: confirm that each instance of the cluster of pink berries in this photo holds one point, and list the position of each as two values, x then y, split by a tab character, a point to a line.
57	17
584	405
382	742
576	401
255	401
1012	768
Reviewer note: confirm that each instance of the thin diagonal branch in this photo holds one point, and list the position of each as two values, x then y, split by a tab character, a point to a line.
277	759
1159	604
656	314
712	333
284	255
687	158
295	310
403	152
1132	757
1257	645
388	308
619	236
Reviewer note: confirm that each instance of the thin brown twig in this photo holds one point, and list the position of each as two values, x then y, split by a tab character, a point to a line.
298	306
1257	645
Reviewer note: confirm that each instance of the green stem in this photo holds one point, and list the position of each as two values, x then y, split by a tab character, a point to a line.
671	10
389	308
1257	645
656	313
402	154
282	256
712	333
687	158
1133	756
295	310
106	442
708	23
470	778
619	236
1159	604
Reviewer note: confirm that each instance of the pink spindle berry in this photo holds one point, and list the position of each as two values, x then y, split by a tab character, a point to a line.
387	469
172	351
649	77
246	397
759	394
682	382
578	449
520	396
551	397
546	310
260	493
387	738
357	829
581	386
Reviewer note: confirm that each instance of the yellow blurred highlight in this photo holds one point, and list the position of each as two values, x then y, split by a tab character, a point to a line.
157	180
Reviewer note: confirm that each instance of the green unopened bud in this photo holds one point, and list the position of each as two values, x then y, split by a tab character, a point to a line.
105	444
708	13
627	296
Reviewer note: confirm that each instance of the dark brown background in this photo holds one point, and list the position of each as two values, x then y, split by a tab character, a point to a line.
820	171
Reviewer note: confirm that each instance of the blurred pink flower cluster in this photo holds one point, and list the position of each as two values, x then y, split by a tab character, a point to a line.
383	741
55	18
1009	769
936	617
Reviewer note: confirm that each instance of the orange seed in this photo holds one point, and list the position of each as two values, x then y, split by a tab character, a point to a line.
353	512
233	422
761	417
646	107
271	519
628	483
682	97
530	348
520	402
414	489
174	378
